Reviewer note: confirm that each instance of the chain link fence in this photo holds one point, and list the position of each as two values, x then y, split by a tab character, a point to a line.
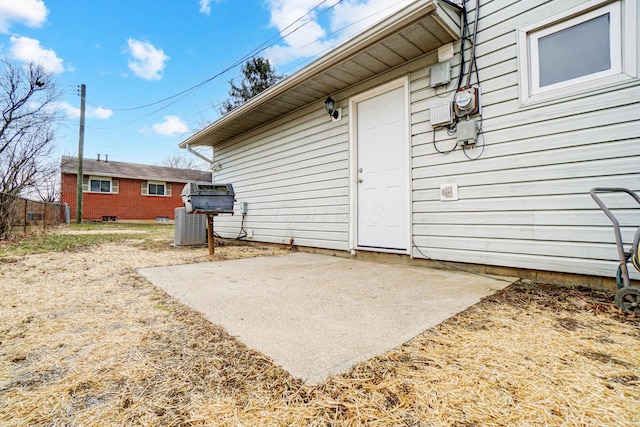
18	214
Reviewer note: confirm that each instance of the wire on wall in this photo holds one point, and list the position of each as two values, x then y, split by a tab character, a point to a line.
466	71
465	148
454	267
435	145
469	37
241	234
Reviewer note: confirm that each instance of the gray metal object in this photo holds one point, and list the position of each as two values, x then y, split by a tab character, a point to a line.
468	131
441	115
189	230
627	297
208	198
440	74
628	300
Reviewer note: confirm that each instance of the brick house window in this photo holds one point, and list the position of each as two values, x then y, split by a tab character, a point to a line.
100	184
156	188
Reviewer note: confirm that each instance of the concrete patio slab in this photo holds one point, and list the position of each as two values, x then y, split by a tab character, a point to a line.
317	315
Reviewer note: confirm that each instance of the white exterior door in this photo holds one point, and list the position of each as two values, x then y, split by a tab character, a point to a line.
382	176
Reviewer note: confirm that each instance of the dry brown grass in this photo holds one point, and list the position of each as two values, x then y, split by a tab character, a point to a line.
85	340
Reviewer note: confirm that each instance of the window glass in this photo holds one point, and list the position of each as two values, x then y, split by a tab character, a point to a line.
100	186
94	185
156	189
576	51
583	48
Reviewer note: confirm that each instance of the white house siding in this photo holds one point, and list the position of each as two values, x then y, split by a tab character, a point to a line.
525	203
294	174
294	178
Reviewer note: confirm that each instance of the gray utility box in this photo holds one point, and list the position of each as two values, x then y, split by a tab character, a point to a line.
190	230
208	198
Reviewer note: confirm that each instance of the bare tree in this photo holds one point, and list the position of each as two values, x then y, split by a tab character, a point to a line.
177	160
49	188
27	131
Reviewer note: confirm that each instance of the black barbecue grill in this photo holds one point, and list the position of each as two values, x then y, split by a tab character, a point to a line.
208	198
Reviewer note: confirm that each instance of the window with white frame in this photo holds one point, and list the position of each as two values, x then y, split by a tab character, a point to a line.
579	49
100	184
156	188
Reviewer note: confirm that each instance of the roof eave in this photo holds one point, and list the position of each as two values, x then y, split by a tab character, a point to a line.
406	16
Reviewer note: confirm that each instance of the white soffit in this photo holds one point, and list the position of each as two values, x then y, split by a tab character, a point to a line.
412	32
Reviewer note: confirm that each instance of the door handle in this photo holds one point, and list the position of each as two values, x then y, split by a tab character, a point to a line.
359	180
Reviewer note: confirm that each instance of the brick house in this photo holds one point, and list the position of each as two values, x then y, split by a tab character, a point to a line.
125	191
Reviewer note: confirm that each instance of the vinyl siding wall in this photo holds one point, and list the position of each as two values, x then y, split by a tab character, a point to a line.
294	178
524	203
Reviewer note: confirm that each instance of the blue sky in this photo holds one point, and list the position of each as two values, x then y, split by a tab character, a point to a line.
132	53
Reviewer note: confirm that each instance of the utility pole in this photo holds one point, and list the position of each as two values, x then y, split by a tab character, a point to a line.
83	94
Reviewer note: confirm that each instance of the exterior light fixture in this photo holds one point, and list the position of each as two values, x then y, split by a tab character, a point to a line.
330	106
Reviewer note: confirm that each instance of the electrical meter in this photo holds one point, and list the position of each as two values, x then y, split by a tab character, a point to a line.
466	102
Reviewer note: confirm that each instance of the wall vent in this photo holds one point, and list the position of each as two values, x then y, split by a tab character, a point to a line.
441	115
448	192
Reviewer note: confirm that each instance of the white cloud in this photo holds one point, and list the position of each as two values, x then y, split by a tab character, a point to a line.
26	49
68	109
205	6
91	112
31	13
362	14
356	14
147	62
98	113
171	126
298	43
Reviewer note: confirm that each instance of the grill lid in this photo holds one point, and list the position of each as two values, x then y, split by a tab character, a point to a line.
208	198
207	188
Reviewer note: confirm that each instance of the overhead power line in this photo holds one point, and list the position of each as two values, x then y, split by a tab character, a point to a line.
262	47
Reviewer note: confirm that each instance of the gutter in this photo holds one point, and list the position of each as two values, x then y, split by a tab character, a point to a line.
453	5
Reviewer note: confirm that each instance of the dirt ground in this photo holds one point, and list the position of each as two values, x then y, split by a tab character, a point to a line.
86	341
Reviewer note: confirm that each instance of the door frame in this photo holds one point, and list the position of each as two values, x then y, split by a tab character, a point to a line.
402	82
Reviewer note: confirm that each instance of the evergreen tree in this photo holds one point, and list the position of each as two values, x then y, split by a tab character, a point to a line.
257	75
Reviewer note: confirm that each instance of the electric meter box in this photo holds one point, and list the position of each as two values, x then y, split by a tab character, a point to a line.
466	102
441	115
467	131
440	74
208	198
